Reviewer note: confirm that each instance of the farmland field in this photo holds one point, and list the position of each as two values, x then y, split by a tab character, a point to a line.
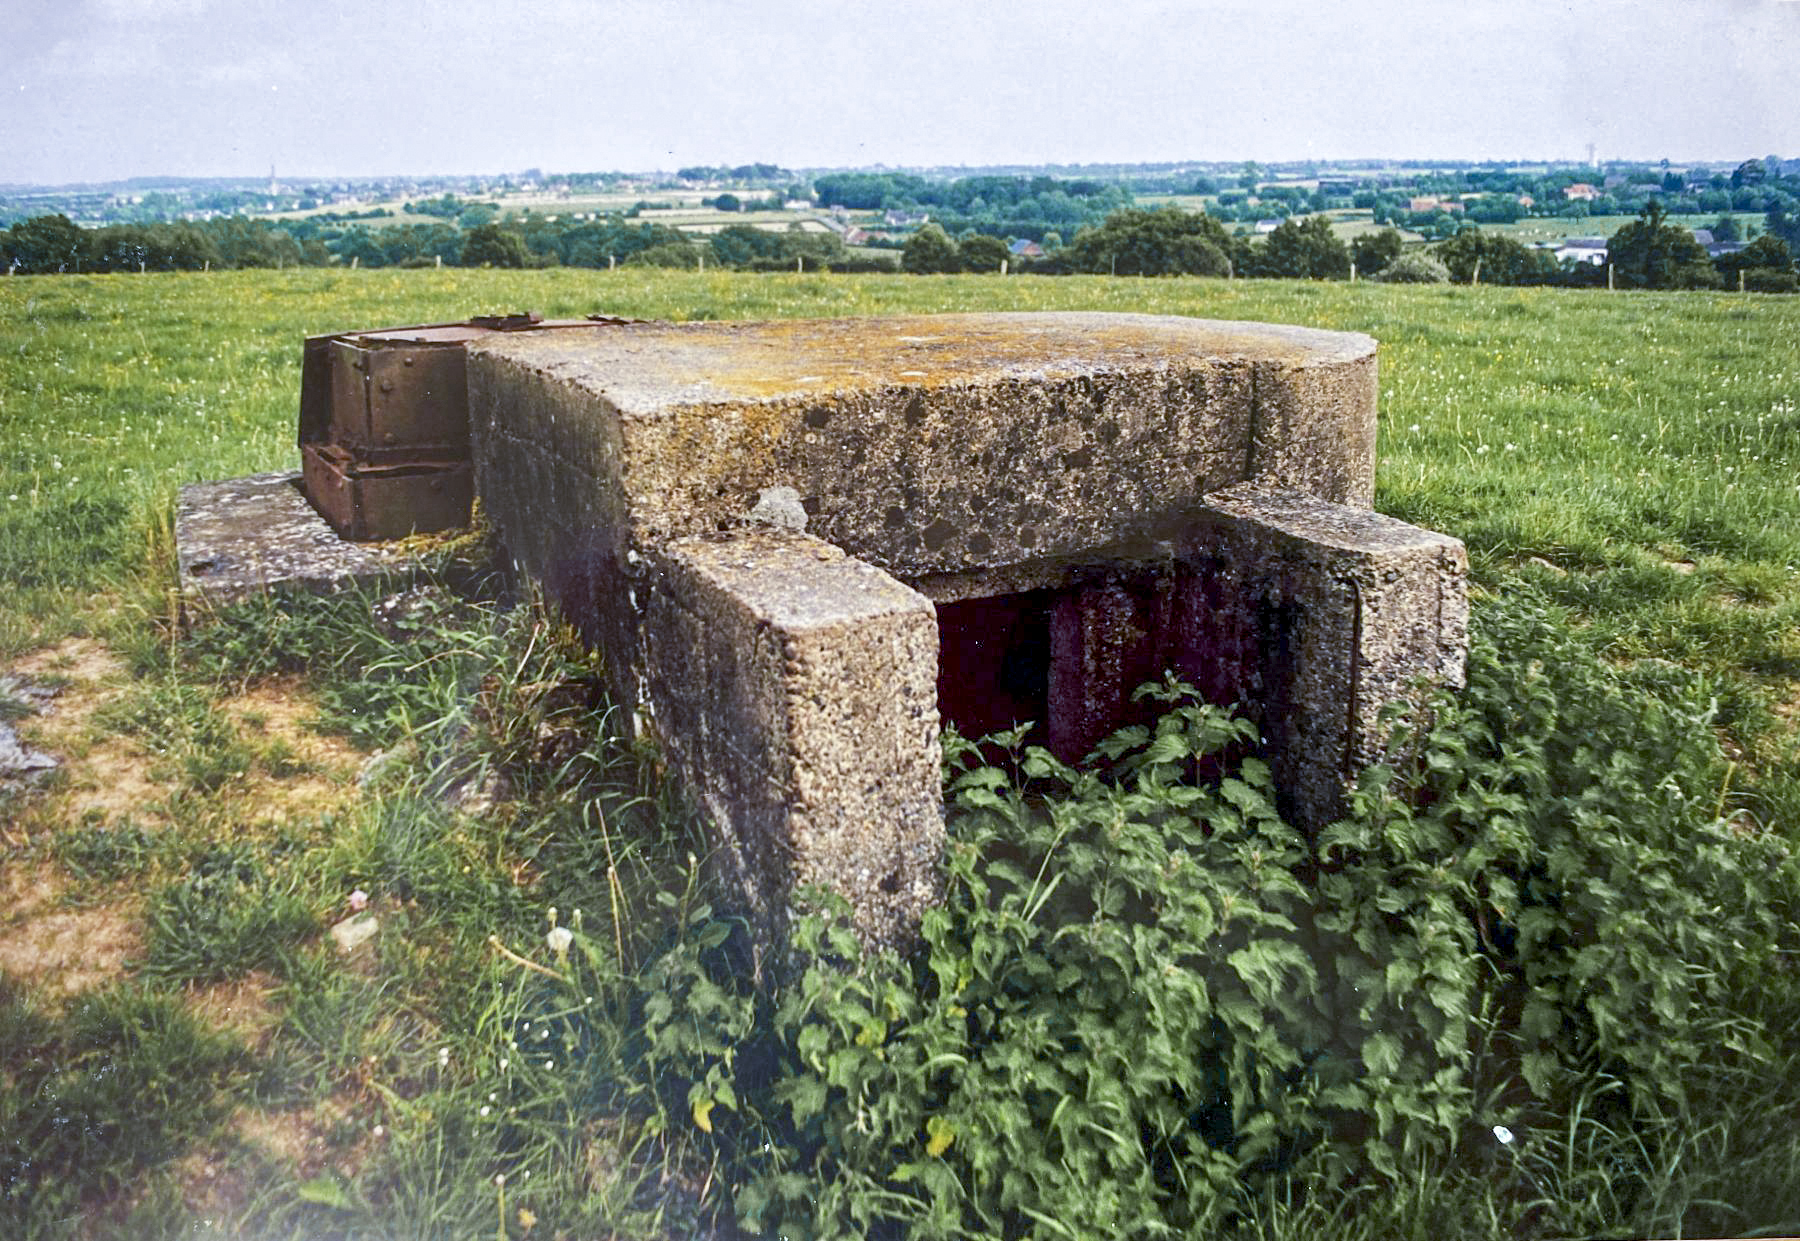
1624	469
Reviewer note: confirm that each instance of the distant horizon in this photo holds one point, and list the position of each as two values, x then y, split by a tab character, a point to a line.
104	91
291	179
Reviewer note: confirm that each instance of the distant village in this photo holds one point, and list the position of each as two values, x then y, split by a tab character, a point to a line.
1401	191
1524	223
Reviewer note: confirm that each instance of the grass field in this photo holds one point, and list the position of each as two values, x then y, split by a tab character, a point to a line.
183	1052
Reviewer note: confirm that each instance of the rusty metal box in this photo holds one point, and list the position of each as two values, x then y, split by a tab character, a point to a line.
384	423
375	501
389	397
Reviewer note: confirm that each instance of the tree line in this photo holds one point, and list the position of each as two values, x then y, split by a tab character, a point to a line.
1649	252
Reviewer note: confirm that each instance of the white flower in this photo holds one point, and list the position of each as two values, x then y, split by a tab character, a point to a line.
559	939
443	1057
1503	1135
485	1109
359	900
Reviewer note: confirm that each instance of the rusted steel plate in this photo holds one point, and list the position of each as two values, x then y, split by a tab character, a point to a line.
315	389
418	394
368	502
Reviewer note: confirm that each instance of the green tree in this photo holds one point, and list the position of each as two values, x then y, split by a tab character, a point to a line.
493	246
1499	259
1372	252
476	215
1767	253
43	244
982	253
1750	172
358	246
673	254
1165	241
1650	253
930	251
1302	249
1784	222
739	245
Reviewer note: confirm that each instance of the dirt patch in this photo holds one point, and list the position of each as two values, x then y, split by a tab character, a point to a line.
216	1188
240	1005
308	1139
67	951
107	776
320	773
25	889
1788	707
259	1149
104	777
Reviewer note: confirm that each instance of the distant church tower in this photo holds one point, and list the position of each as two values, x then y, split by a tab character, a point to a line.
274	186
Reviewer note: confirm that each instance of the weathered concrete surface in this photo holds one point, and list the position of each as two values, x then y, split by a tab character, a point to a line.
1325	614
934	447
794	690
1091	499
249	535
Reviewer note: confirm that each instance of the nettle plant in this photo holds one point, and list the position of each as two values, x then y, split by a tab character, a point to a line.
1146	1000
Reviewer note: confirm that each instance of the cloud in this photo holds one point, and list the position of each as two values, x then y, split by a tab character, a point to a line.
261	69
148	10
108	57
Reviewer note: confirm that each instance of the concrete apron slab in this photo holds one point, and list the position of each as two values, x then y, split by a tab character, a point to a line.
246	536
1085	500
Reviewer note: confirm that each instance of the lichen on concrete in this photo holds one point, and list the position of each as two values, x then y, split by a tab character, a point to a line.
1131	492
795	685
246	536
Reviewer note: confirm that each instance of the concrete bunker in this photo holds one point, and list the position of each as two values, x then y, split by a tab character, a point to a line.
801	544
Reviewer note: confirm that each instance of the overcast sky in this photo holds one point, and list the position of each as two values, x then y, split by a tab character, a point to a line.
105	89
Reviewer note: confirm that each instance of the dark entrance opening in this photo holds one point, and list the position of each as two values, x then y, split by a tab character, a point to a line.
994	663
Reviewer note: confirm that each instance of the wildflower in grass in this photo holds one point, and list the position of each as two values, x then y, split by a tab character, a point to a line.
359	901
443	1057
559	939
1503	1135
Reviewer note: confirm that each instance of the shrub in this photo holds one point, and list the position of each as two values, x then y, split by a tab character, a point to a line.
1769	280
1146	1001
1414	267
